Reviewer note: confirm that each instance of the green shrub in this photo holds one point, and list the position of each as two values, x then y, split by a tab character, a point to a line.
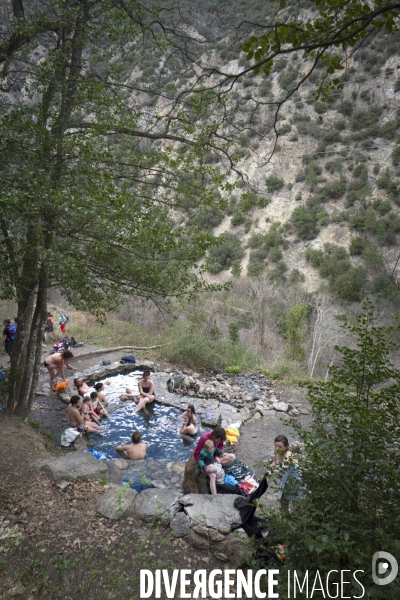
209	217
275	254
382	207
236	268
396	156
234	369
365	95
300	116
305	222
273	237
296	276
300	176
384	233
346	108
306	128
238	218
385	182
274	183
193	347
331	136
265	86
294	323
362	119
255	240
357	222
334	189
352	413
257	263
277	275
334	166
279	65
221	257
361	172
388	130
349	286
357	246
314	257
287	78
340	124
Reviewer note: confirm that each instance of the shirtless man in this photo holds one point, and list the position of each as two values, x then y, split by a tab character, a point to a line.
76	420
135	450
56	363
81	386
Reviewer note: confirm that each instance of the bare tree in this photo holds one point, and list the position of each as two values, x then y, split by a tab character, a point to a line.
326	330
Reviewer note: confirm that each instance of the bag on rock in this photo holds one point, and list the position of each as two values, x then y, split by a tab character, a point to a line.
69	436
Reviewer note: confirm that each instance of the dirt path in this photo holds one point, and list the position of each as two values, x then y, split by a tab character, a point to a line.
66	550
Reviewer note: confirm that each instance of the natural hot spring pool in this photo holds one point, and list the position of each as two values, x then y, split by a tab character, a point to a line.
158	425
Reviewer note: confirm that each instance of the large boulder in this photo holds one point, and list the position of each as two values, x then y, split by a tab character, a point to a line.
77	466
194	480
116	501
158	505
217	512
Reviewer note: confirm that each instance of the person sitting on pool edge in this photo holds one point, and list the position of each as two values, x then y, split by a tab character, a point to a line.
209	462
218	436
146	390
135	450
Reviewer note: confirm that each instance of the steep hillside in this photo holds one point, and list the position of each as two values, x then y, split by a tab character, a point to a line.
333	179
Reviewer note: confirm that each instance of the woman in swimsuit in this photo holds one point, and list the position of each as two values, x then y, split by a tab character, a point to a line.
146	391
188	426
56	363
190	411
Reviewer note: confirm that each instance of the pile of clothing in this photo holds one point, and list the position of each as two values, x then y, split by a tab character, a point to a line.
232	434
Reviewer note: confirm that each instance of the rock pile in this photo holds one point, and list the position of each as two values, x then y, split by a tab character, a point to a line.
208	523
253	394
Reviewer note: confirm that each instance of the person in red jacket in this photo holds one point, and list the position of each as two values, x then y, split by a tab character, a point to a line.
218	436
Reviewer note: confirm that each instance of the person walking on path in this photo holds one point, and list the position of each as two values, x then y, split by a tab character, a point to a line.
7	337
62	321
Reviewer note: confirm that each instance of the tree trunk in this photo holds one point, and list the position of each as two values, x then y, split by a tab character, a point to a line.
25	288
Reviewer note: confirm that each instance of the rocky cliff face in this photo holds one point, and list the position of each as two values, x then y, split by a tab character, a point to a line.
333	178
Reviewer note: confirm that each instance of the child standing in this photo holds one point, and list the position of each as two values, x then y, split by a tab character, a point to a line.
209	462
